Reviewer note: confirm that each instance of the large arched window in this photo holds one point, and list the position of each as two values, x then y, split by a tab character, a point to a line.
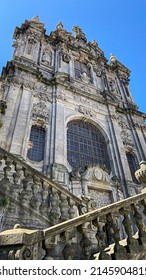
133	165
37	139
85	145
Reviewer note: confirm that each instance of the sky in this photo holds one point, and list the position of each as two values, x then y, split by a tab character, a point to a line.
118	26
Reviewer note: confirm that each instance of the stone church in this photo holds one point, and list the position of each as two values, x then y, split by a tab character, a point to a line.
71	136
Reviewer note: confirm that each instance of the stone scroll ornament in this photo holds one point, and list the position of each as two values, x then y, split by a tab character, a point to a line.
126	137
40	111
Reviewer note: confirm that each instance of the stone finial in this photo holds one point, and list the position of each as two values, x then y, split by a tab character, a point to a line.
36	19
59	26
94	43
79	34
113	59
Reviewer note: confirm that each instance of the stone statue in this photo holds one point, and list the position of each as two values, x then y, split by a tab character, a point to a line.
47	57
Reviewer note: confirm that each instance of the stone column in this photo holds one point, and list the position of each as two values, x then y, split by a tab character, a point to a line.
59	156
21	122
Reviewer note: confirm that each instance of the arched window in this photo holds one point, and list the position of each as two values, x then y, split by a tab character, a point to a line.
37	139
133	165
85	145
81	68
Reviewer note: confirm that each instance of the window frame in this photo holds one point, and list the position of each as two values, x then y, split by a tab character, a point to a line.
96	149
37	139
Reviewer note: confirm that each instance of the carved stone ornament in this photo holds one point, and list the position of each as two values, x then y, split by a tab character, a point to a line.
101	198
112	86
47	57
94	44
66	57
83	110
122	122
113	60
61	96
84	77
40	111
59	26
140	174
126	137
79	34
98	70
91	204
64	53
96	173
31	41
60	32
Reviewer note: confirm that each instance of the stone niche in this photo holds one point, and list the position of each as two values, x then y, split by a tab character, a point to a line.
96	185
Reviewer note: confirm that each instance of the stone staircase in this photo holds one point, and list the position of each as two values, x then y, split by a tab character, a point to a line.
58	227
31	198
112	232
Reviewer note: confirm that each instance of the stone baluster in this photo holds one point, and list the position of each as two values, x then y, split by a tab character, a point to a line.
17	181
85	242
101	238
49	245
45	191
7	169
68	251
55	211
36	200
6	175
1	166
72	209
26	193
1	159
137	218
143	203
127	223
114	231
64	207
18	174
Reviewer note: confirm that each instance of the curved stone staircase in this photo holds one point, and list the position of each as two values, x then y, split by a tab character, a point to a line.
59	229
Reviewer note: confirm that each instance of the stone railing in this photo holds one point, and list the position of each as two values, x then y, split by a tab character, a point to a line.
34	195
116	231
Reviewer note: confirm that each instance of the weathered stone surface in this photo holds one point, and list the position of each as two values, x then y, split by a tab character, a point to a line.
51	82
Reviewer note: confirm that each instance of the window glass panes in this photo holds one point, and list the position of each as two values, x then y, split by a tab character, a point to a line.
133	165
86	145
37	138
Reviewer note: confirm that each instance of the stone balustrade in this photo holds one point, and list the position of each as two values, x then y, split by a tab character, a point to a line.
116	231
32	197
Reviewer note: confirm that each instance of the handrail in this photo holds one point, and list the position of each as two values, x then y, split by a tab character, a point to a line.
77	221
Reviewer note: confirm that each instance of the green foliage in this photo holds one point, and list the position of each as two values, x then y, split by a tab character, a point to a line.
4	202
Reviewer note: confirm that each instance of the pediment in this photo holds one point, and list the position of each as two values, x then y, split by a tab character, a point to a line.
96	173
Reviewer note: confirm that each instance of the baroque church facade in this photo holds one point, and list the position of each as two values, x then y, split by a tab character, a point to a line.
68	112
